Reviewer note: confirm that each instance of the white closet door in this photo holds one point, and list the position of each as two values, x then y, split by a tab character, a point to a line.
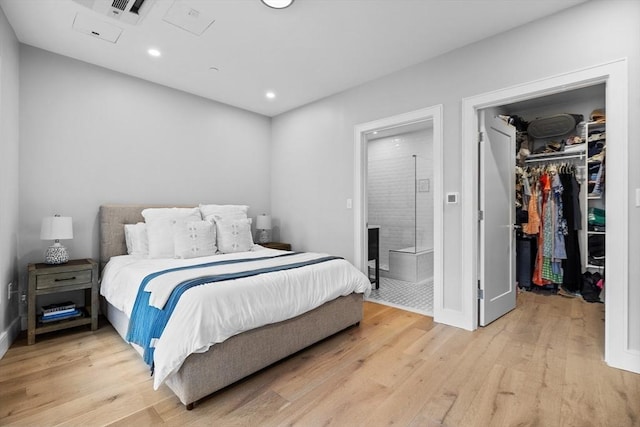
497	280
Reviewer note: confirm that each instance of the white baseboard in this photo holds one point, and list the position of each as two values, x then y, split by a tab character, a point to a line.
9	335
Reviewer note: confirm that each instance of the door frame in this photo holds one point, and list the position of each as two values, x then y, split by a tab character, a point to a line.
614	75
360	210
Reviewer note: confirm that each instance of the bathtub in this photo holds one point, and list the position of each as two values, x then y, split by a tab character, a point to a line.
411	266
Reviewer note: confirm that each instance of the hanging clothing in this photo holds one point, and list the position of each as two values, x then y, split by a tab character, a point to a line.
532	227
554	217
560	224
572	265
539	270
551	270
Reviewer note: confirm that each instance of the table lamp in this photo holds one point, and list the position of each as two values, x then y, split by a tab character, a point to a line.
56	228
263	226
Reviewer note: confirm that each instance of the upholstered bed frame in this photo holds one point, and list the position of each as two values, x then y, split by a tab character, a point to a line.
243	354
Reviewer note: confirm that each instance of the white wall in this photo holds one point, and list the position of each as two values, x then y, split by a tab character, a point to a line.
315	143
9	325
91	136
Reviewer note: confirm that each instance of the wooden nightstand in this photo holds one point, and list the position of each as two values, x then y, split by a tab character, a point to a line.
51	279
277	245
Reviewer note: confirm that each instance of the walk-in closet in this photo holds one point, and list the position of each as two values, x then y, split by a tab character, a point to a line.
560	193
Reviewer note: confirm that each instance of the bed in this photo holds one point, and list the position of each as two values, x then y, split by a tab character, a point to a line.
200	374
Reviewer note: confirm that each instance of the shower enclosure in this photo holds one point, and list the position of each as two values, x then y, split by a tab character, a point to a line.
400	202
413	260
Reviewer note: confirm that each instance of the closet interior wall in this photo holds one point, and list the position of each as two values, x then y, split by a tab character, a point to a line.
582	101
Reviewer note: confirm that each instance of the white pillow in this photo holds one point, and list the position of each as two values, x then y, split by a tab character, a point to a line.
234	235
155	213
194	239
231	216
159	228
136	237
214	213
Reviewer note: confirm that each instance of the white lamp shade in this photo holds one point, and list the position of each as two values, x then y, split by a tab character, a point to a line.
263	222
56	228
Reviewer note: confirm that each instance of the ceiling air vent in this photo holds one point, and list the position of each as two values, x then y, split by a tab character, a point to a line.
127	11
119	4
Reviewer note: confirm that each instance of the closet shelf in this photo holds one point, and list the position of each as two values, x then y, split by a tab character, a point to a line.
555	156
596	232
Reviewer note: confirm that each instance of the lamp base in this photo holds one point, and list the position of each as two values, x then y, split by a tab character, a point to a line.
263	236
56	254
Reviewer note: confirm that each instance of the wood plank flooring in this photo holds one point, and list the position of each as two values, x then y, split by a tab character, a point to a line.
540	365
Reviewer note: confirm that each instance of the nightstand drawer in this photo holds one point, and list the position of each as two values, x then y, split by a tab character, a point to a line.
44	281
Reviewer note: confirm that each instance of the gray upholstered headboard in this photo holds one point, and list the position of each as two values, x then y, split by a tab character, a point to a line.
112	221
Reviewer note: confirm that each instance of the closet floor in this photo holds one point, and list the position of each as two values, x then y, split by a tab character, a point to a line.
560	292
415	297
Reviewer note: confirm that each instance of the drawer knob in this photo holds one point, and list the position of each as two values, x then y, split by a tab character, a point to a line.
68	278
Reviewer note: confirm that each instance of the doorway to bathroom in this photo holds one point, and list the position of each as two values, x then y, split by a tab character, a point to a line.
400	210
412	245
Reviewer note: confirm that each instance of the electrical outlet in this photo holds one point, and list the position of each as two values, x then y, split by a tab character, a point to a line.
10	290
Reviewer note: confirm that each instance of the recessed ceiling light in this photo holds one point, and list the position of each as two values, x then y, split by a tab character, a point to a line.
270	95
154	52
278	4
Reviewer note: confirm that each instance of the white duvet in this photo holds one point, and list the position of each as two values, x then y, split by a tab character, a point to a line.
211	313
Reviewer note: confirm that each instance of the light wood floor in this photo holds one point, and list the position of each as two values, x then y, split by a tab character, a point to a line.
541	365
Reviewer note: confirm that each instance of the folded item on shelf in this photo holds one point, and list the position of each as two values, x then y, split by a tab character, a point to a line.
594	165
598	157
554	146
596	246
596	261
597	136
596	216
598	116
550	147
573	140
595	147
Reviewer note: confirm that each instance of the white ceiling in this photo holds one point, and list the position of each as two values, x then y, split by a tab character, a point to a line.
308	51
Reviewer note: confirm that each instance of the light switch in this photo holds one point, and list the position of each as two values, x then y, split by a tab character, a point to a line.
637	197
349	203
